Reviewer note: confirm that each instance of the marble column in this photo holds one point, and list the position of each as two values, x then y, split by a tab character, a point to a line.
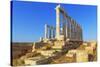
72	28
69	27
58	21
50	32
53	33
46	31
75	30
78	29
80	33
65	31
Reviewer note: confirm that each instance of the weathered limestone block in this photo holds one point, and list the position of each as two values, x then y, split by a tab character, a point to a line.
93	44
89	50
39	45
47	52
36	60
32	60
85	44
71	56
45	40
72	51
81	56
58	44
29	62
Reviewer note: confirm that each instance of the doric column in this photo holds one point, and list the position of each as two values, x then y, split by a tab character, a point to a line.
75	31
64	26
78	33
46	31
81	34
72	29
69	27
33	47
58	21
53	32
50	32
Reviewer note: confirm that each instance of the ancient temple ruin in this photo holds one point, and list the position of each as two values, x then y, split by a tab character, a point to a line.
62	43
66	27
66	35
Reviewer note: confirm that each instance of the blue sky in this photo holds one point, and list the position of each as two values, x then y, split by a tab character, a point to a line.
29	18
